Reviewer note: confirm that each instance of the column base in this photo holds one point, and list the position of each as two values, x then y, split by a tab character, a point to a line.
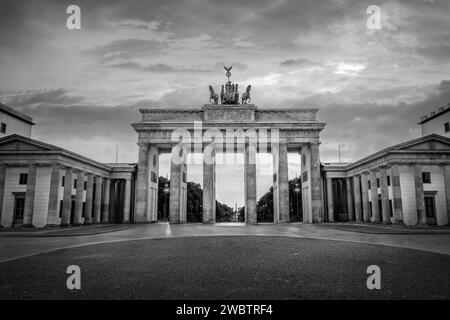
77	224
87	223
64	225
28	225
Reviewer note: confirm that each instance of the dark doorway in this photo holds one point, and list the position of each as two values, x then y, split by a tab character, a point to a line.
380	207
430	208
19	208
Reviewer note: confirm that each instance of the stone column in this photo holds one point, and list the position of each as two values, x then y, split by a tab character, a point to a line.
67	197
79	199
281	184
178	191
350	211
98	199
29	197
384	196
89	198
209	185
127	201
447	190
397	195
250	182
374	197
330	200
113	188
420	199
357	193
106	194
141	187
365	197
2	189
316	184
53	215
152	187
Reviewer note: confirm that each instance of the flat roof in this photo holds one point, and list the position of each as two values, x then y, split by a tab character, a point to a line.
16	114
435	114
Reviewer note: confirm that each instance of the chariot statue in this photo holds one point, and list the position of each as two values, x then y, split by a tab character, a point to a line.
229	93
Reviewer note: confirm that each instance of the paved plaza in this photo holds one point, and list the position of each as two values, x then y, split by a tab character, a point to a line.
226	261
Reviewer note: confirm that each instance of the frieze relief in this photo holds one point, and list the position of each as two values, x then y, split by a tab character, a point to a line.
229	113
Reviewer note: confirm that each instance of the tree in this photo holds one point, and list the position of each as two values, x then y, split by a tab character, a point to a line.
194	191
241	217
264	206
224	213
194	202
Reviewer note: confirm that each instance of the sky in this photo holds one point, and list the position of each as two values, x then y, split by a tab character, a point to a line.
84	87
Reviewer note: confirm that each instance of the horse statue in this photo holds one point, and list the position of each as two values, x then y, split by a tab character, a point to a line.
213	95
246	96
222	95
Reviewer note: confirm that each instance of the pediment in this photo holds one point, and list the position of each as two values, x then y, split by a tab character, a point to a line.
430	144
18	144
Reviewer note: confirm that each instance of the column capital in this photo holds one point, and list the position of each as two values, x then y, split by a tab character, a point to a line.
143	144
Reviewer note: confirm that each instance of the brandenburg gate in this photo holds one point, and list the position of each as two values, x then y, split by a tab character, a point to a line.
228	123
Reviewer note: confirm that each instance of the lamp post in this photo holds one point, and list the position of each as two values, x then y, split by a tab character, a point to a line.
297	191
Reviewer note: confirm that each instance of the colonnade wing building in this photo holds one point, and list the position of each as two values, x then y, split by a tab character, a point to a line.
407	183
42	185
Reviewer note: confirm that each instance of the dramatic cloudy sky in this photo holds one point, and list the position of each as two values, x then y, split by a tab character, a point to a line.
83	87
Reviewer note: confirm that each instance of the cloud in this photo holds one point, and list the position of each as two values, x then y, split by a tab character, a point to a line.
366	127
124	48
160	67
349	68
30	98
299	62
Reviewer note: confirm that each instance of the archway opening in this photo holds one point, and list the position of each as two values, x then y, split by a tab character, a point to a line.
264	187
295	187
230	187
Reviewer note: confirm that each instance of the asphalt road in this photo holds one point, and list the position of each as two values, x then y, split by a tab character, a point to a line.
229	267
